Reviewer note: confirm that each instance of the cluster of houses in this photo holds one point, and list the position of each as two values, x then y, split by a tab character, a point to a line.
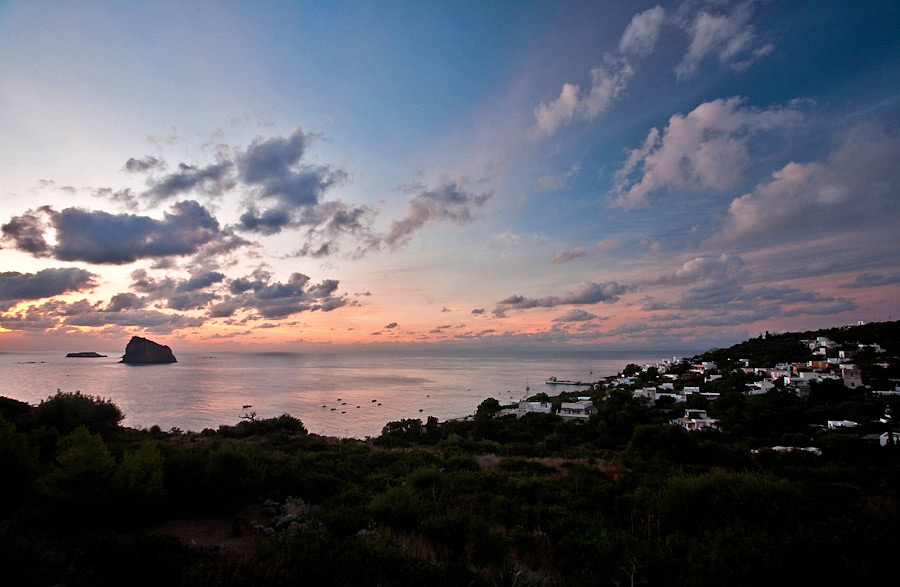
829	363
581	409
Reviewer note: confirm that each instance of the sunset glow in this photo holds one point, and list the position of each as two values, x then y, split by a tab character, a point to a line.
610	175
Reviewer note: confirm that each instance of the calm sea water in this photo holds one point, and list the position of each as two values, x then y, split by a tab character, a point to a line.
352	394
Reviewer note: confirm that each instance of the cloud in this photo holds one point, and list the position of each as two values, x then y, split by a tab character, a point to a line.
150	320
142	165
273	168
269	222
256	294
448	201
259	296
870	280
566	256
200	281
586	293
178	294
478	312
608	81
213	180
16	287
705	149
728	37
104	238
705	269
717	288
125	301
849	191
641	34
26	232
575	315
390	326
824	307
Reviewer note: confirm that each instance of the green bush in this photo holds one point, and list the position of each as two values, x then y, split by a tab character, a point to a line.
68	411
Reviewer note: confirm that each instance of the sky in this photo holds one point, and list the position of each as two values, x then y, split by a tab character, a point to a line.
590	175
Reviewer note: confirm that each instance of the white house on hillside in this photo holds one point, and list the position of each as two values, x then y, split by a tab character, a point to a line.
580	410
696	420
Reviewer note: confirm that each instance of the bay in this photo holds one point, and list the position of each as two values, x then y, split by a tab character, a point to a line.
350	394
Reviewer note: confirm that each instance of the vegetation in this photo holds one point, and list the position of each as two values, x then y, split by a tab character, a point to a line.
621	498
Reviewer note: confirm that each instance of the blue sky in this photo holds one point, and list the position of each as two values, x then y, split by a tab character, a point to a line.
613	174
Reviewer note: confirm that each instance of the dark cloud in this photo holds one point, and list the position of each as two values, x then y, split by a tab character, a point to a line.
226	242
309	250
871	280
273	157
125	196
142	165
190	300
478	311
125	301
391	325
26	232
269	222
448	201
273	167
213	180
200	281
575	315
260	297
16	287
150	320
103	238
586	293
825	306
178	294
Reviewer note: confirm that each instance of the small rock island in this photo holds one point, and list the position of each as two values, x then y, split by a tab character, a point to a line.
142	351
84	355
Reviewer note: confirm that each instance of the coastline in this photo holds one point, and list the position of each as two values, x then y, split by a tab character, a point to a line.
206	390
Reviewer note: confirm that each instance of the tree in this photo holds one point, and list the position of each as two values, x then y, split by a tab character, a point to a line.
488	408
19	461
68	411
139	478
81	475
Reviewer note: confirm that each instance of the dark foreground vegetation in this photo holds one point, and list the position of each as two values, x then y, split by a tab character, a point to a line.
623	498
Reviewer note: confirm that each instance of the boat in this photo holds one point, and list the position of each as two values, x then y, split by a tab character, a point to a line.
555	381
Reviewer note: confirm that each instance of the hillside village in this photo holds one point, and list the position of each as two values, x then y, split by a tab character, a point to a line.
689	385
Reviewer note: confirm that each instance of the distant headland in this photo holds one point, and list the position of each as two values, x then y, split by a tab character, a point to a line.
84	355
141	351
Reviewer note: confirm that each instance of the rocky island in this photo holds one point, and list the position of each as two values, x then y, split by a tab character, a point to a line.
142	351
84	355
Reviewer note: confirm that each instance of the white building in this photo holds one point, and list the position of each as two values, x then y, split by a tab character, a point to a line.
580	410
696	420
528	408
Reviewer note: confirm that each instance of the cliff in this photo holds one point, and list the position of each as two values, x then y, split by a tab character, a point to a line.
142	351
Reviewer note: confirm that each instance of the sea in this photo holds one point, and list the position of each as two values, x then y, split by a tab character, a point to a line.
348	394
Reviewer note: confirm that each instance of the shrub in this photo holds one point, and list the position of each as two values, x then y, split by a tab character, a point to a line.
68	411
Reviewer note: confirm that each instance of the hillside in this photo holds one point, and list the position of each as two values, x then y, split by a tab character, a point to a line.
621	497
